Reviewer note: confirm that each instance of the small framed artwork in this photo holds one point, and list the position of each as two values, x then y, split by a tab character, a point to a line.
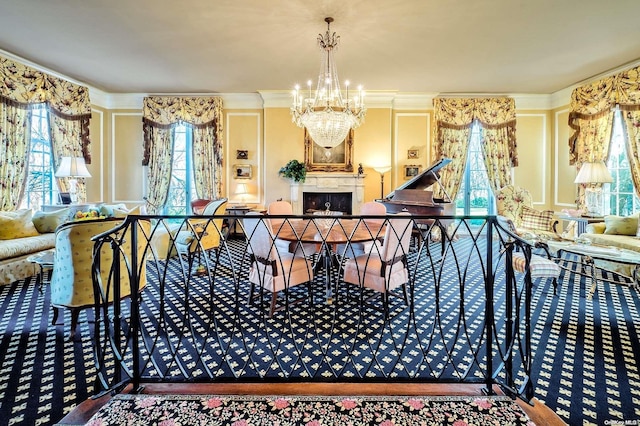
413	153
242	154
65	197
411	171
242	171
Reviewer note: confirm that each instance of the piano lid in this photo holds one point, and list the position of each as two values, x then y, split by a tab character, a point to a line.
425	179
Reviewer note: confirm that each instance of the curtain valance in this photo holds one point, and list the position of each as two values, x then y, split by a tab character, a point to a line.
167	110
22	86
460	112
591	114
25	85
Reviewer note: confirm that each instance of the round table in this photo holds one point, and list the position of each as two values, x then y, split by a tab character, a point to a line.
327	232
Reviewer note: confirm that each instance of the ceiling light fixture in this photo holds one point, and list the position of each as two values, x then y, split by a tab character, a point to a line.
327	116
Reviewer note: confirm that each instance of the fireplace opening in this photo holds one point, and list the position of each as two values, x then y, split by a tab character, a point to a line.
338	201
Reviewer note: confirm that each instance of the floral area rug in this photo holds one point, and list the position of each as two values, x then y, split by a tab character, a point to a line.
254	410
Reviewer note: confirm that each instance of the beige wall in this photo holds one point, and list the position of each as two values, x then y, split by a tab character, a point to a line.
271	140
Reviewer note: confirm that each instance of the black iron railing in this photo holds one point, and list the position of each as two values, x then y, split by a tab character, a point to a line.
201	315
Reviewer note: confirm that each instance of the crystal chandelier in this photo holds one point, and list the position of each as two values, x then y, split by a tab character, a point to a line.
326	114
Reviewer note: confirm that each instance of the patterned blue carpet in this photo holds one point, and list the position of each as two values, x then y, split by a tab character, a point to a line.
586	354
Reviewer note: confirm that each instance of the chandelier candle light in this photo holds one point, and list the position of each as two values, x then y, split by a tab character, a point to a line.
593	175
327	116
72	168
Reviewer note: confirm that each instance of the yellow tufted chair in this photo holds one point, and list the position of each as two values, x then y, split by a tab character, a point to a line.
71	281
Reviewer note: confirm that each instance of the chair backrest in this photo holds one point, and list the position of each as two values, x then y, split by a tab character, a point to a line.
213	229
509	203
397	237
278	208
198	205
260	235
71	282
373	208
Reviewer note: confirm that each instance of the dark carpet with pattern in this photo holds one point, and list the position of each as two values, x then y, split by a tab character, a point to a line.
586	354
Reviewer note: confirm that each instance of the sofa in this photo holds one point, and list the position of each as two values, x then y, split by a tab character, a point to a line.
24	233
616	231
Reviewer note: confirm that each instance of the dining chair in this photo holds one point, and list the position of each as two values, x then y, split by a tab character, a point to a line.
384	267
203	234
272	268
285	208
352	250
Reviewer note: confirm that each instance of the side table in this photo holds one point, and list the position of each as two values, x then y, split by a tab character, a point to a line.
582	222
232	230
45	261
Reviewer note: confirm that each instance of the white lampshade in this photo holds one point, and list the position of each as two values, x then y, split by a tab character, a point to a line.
241	189
72	167
382	169
594	173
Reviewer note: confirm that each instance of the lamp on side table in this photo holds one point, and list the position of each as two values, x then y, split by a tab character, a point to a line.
593	174
72	168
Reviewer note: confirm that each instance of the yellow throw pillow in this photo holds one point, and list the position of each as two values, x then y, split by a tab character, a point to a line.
619	225
49	221
17	224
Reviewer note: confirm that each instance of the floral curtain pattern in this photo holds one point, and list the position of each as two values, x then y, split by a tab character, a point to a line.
69	116
159	171
591	119
205	114
14	150
454	118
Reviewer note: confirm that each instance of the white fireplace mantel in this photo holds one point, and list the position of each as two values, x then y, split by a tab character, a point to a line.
328	183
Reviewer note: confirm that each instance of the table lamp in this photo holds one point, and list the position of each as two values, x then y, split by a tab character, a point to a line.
241	192
72	168
382	170
593	174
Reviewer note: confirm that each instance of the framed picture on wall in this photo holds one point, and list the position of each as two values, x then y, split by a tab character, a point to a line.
336	159
242	154
413	153
412	170
242	171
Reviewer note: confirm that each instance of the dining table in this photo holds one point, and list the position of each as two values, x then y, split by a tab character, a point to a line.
328	232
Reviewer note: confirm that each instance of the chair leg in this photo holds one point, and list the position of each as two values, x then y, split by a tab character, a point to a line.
74	322
274	298
55	315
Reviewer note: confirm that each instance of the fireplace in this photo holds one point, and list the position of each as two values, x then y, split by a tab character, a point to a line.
345	192
338	201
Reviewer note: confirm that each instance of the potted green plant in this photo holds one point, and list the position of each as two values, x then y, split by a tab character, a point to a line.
294	170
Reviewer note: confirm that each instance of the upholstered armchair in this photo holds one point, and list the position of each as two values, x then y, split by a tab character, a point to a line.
273	269
384	267
201	235
72	282
515	205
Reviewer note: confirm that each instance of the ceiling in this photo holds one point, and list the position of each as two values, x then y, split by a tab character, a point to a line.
244	46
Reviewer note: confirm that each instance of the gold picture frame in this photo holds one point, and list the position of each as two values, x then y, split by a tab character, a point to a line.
412	170
336	159
413	154
242	171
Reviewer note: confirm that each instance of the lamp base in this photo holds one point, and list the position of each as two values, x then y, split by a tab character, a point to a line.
593	201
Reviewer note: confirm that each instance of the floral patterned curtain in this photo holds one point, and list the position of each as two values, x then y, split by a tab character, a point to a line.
69	111
164	112
14	151
591	118
454	117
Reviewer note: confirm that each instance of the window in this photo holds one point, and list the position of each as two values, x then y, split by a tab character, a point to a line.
475	196
182	187
41	186
619	196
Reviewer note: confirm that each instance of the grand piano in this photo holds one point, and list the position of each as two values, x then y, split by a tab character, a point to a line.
416	197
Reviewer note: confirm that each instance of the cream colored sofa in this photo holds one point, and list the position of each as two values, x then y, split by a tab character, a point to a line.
597	233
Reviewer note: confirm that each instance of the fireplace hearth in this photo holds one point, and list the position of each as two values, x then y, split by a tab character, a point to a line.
315	201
